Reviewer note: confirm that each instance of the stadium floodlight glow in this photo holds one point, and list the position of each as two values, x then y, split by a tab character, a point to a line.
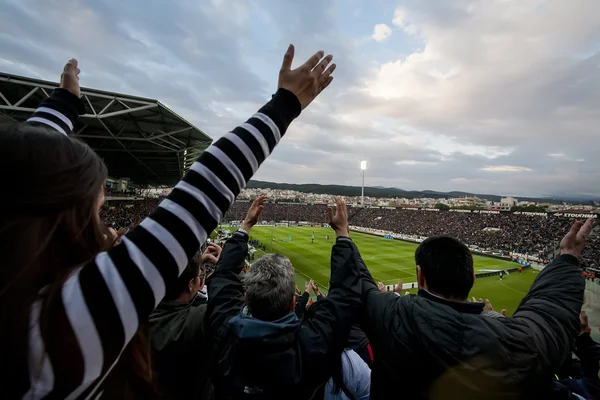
363	167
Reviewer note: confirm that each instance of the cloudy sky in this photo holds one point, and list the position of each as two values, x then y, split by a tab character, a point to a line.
488	96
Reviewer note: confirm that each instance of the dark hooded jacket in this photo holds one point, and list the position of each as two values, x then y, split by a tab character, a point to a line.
439	349
179	354
286	358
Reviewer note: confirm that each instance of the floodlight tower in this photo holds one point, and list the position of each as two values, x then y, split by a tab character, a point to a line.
363	167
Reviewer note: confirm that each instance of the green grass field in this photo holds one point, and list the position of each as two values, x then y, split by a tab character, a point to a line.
388	260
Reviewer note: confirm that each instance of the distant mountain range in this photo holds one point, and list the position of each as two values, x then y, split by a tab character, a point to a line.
380	192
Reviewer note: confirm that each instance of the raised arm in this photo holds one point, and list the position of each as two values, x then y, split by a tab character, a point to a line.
105	301
550	311
325	334
225	290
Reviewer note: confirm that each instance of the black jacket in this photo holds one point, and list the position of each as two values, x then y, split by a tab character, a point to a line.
180	357
285	359
437	349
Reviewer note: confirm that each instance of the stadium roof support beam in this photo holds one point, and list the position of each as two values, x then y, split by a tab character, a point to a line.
118	123
130	153
120	112
28	95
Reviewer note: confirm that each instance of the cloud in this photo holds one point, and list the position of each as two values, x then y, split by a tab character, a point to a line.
381	32
459	97
505	168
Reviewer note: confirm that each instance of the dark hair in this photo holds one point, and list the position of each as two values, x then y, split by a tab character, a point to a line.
49	226
191	271
447	265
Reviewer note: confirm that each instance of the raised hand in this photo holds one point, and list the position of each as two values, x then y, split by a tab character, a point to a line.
211	254
308	286
398	287
69	79
316	289
308	80
381	287
254	213
339	220
576	238
298	292
488	306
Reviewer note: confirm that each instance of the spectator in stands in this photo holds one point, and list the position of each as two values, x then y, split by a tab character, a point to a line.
264	350
177	337
454	351
68	307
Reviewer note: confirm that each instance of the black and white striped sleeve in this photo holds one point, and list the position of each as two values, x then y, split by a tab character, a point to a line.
106	301
58	112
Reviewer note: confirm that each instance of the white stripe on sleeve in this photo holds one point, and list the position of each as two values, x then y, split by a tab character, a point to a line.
147	267
272	125
49	123
229	164
57	114
168	240
202	198
85	331
119	293
259	136
203	170
186	217
243	147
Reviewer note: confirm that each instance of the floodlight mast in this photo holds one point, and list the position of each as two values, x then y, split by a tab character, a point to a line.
363	167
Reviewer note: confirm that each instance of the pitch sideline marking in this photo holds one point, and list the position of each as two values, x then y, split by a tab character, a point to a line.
513	289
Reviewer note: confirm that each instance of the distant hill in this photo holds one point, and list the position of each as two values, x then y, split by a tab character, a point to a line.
379	191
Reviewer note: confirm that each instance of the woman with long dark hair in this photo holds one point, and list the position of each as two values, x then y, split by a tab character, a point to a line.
69	302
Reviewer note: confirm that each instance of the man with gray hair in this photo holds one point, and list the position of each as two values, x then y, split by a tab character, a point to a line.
260	348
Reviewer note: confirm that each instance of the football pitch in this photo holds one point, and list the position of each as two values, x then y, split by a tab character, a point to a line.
388	261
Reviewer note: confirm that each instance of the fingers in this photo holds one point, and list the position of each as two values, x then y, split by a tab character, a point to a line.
503	312
488	304
574	229
288	57
260	200
327	74
313	61
329	215
480	300
474	299
585	230
210	258
320	68
340	206
72	66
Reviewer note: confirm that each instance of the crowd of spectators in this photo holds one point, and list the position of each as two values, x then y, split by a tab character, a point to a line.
505	232
528	234
119	214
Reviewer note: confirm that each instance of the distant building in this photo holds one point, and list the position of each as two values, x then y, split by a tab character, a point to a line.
509	200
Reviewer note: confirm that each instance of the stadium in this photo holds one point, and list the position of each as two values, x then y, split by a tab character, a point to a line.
131	270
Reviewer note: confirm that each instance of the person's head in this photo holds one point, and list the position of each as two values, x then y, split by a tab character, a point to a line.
189	282
49	221
445	267
51	218
270	287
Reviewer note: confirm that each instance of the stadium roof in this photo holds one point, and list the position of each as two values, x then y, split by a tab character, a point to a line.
138	138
